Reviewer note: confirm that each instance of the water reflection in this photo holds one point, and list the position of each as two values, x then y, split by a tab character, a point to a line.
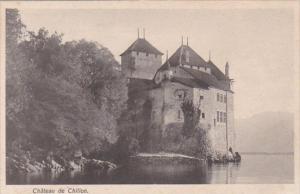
167	174
223	173
253	169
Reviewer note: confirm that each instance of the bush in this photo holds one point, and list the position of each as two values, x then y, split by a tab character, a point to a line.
197	144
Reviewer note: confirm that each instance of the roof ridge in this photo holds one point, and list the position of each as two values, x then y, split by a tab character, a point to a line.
142	45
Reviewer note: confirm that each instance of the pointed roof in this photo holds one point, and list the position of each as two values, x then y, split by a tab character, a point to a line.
208	79
142	45
180	55
216	71
216	79
194	59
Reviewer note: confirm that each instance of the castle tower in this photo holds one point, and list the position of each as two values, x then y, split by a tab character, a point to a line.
141	59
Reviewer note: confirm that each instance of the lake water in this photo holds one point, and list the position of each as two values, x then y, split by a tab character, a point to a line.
258	169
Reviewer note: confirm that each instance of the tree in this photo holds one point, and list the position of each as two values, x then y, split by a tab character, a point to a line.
191	116
17	72
61	97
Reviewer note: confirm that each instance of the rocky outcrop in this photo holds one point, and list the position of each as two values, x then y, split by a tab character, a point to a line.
98	166
16	164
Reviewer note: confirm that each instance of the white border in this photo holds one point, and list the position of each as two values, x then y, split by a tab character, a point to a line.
153	189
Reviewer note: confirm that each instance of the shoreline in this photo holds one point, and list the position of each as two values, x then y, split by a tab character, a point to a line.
267	153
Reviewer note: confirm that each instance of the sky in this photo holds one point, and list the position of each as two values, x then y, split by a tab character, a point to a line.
257	43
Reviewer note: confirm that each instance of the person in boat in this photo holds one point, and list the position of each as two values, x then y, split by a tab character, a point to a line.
237	157
230	155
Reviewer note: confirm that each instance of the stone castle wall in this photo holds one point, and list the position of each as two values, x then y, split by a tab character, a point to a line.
166	103
145	65
168	95
231	127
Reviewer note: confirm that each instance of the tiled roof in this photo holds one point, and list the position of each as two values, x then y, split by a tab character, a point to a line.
180	55
193	83
208	79
216	71
142	45
194	59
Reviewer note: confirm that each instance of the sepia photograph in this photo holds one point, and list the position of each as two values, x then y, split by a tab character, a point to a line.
150	96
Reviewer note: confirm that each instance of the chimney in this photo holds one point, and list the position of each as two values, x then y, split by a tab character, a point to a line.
227	70
144	33
187	41
138	31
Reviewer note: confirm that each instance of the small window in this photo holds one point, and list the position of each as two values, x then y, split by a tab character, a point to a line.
225	98
225	117
201	97
147	54
221	117
218	116
214	122
179	114
137	53
218	97
179	96
221	98
203	115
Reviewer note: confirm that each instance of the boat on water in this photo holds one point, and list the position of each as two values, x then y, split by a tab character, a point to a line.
236	158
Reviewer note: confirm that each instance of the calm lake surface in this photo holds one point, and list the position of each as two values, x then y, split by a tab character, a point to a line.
256	168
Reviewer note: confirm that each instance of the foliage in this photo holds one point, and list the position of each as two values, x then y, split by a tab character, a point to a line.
197	144
191	116
187	138
126	146
134	124
60	97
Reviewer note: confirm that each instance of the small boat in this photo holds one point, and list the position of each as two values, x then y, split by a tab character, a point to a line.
223	160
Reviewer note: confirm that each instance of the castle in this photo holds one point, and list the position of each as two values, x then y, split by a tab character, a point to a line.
185	75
